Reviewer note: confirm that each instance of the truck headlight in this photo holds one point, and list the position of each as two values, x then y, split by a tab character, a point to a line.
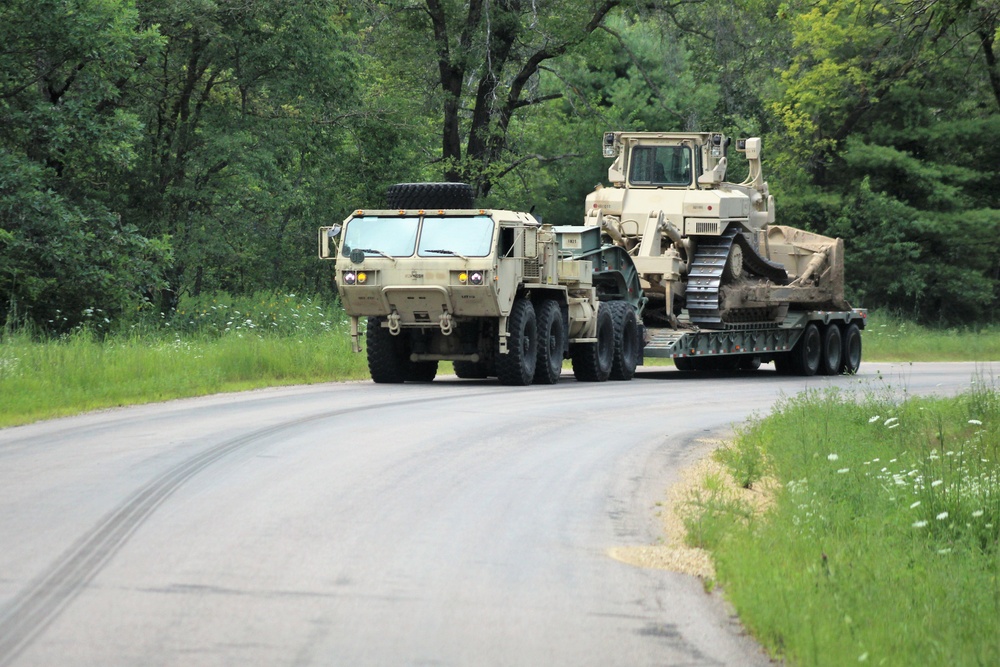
476	278
350	278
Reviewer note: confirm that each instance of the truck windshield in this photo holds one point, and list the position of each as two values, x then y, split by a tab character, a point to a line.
660	165
394	236
468	236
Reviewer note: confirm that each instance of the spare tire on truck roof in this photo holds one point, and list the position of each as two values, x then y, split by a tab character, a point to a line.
430	196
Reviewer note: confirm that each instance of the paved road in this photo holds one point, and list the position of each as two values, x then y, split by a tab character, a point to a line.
457	523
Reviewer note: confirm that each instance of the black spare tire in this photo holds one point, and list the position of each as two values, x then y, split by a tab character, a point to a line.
430	196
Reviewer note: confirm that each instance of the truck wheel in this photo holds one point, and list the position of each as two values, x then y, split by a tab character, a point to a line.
592	361
548	365
517	367
808	352
388	362
850	358
421	371
832	350
430	195
625	356
471	370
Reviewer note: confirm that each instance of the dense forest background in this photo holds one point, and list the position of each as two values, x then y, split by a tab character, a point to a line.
150	150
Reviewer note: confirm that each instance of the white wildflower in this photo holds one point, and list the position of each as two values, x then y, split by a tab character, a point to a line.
874	419
890	420
942	516
977	513
916	504
919	524
975	422
832	457
894	425
843	470
937	482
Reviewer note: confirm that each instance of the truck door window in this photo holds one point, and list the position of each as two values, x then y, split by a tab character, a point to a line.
468	236
660	165
392	235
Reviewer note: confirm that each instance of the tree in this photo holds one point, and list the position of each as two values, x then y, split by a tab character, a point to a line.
64	139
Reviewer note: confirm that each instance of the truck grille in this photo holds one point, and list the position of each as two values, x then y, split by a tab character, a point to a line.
706	228
531	268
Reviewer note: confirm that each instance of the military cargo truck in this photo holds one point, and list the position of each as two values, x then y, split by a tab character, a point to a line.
727	288
495	292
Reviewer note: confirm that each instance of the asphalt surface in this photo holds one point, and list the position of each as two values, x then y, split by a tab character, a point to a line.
455	523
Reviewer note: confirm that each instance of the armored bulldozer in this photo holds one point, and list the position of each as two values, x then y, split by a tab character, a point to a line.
726	286
496	292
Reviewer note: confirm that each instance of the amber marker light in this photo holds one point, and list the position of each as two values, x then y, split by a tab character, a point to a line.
362	277
463	277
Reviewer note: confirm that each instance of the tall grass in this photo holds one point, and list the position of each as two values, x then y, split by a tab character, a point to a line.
208	345
889	338
881	546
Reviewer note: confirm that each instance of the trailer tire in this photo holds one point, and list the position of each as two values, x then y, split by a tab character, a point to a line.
750	363
388	362
430	195
625	355
548	365
592	361
517	367
471	370
808	352
832	350
850	358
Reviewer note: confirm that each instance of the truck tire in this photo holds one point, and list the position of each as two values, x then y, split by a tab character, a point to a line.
430	195
808	352
517	367
388	361
832	350
850	358
749	363
421	371
625	355
548	364
592	361
471	370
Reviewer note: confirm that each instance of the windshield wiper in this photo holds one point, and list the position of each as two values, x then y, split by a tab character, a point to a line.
449	252
373	251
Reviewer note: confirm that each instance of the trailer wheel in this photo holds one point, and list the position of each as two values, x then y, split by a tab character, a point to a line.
592	361
850	358
832	350
430	195
625	355
808	352
421	371
388	362
548	365
749	363
471	370
517	367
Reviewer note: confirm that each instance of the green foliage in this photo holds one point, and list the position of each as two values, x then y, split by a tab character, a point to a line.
210	344
884	530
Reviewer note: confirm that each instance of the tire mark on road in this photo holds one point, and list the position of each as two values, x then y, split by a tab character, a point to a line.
24	619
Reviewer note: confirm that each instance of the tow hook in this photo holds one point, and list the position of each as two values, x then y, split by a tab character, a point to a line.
445	322
393	323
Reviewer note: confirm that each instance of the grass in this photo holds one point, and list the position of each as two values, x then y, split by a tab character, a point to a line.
210	345
881	544
889	338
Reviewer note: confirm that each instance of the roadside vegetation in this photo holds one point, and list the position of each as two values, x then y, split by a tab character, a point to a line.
880	545
208	345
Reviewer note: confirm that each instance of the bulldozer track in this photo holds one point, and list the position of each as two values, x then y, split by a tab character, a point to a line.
708	267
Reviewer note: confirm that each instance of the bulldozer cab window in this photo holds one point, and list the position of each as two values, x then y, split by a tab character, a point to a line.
660	165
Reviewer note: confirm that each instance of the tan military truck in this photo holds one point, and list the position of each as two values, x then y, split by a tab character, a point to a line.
727	288
493	291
